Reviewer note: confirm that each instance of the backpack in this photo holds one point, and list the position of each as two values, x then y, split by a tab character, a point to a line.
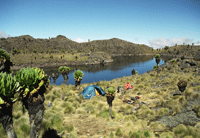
119	89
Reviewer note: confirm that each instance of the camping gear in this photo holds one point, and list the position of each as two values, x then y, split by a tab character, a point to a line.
134	98
89	91
128	86
96	92
119	89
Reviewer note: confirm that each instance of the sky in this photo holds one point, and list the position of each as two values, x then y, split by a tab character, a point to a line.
155	23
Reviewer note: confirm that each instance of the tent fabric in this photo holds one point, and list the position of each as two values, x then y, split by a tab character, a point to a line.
96	92
89	91
128	85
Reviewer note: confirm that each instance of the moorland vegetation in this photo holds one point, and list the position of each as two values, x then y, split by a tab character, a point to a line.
74	116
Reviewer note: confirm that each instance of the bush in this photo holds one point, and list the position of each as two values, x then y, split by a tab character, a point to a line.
166	47
180	129
69	127
34	51
119	132
135	134
68	109
173	61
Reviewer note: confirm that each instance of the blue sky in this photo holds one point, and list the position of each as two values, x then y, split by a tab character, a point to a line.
156	23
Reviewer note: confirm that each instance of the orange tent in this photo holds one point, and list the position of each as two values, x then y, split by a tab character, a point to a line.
128	85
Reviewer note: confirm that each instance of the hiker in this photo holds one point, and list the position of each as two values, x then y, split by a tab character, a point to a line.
107	87
119	89
128	86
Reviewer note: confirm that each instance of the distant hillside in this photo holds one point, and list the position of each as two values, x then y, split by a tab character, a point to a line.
27	43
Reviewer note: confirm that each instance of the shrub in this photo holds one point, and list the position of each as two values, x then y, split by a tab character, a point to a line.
63	51
111	135
34	51
173	61
166	47
135	134
68	109
51	56
69	127
42	51
119	132
163	111
46	124
42	56
180	129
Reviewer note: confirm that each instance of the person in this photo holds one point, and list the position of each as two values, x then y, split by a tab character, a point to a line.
128	86
107	87
119	89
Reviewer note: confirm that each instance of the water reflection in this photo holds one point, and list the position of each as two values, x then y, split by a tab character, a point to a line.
121	66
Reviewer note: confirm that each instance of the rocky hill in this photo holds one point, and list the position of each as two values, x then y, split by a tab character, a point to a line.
27	44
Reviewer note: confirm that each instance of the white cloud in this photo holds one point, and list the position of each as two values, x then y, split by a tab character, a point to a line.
136	39
79	40
162	42
3	35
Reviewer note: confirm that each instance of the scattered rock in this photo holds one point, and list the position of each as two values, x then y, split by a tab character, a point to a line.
49	105
188	118
141	103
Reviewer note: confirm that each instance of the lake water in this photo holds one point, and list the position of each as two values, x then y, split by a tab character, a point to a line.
121	66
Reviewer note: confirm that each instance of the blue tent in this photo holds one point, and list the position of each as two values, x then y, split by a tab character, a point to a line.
89	91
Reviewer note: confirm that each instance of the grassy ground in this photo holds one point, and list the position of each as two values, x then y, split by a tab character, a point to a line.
20	59
45	58
70	116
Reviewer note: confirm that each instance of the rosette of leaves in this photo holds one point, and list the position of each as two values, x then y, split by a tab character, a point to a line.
31	79
157	56
78	74
8	87
5	57
155	67
63	69
182	83
173	61
110	91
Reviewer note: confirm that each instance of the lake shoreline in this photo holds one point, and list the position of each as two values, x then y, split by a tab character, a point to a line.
67	63
86	63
